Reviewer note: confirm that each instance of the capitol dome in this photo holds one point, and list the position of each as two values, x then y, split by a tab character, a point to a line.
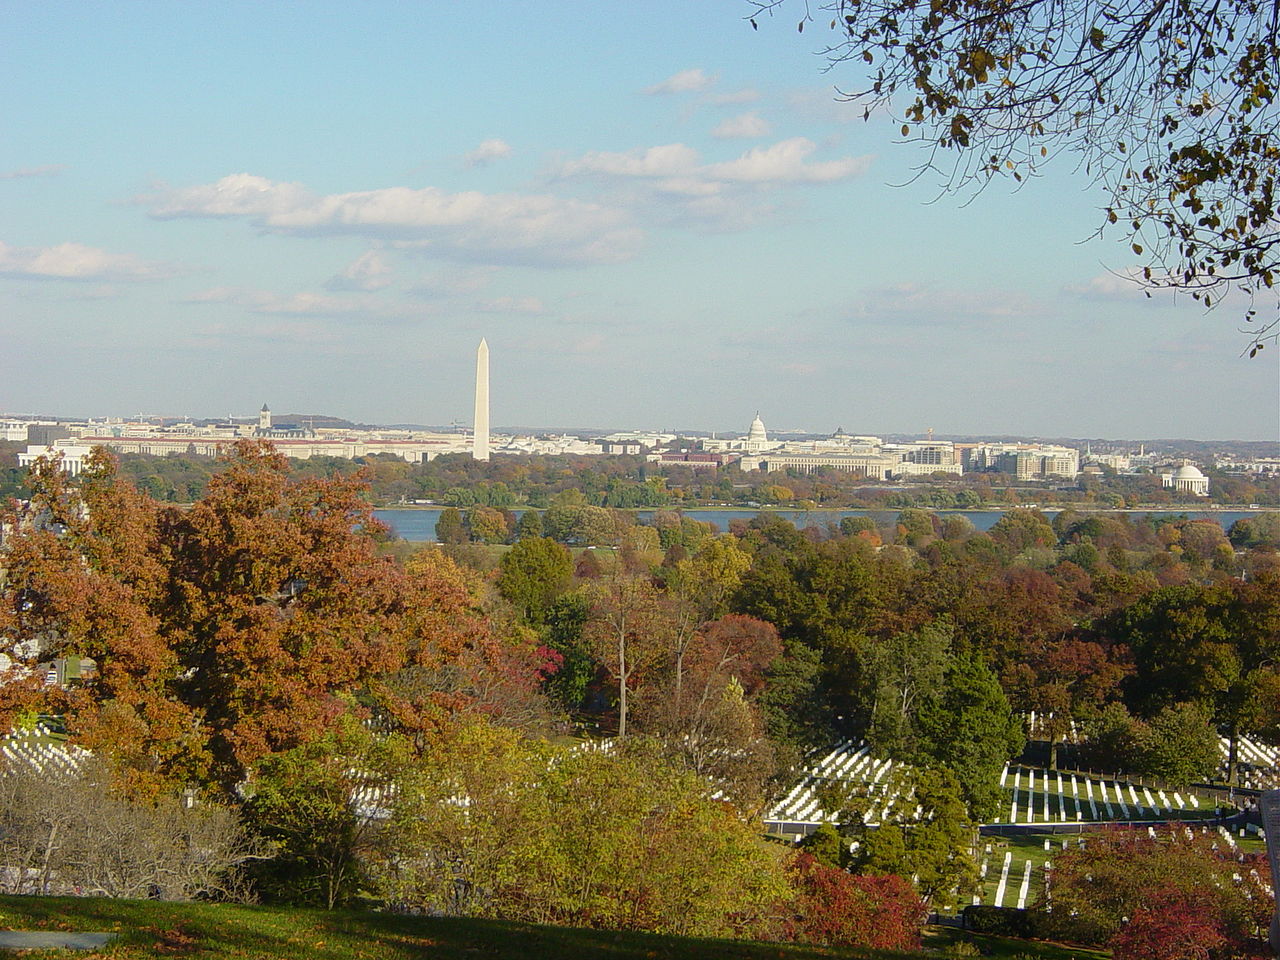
757	430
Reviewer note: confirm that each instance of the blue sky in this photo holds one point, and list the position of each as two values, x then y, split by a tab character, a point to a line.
657	216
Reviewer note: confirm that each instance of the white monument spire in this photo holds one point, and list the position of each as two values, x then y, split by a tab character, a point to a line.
480	434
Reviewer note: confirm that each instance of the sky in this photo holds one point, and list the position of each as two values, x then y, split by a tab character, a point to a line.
659	218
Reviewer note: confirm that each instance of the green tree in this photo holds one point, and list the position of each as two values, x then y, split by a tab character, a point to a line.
529	525
968	727
933	849
318	806
1214	645
486	525
904	671
1179	746
532	574
827	846
449	527
619	839
562	632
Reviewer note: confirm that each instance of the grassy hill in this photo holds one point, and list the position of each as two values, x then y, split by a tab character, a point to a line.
151	929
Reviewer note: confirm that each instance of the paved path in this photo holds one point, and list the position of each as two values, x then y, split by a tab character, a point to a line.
52	940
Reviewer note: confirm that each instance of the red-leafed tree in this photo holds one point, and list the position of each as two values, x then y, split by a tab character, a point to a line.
1172	924
835	908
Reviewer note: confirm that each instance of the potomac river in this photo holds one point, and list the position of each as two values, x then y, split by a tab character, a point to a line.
419	524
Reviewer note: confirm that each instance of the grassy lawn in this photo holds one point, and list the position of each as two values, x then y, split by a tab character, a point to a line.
150	929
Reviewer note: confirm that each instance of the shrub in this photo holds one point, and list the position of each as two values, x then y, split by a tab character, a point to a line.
836	908
998	921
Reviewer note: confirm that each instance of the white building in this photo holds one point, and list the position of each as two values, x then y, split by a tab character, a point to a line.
755	442
1186	479
73	456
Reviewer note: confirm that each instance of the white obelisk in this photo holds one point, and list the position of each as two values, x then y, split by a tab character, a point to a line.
480	435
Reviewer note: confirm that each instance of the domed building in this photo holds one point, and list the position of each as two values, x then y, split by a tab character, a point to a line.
757	436
1186	479
756	441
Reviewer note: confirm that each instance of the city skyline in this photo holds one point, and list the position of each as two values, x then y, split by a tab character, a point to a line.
660	218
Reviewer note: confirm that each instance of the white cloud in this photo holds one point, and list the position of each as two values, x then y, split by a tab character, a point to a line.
471	226
590	344
237	195
686	81
487	152
452	281
669	160
786	162
75	261
361	306
22	173
368	272
743	126
678	168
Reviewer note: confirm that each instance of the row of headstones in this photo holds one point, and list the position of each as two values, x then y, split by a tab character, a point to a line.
1263	757
42	757
1157	804
847	762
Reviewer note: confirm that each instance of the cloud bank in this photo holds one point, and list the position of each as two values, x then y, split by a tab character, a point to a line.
511	228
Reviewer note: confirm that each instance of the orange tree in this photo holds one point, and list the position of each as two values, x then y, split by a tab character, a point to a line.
224	633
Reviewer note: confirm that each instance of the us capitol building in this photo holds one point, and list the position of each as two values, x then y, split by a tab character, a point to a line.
869	456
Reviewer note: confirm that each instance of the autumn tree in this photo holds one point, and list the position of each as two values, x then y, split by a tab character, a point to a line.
626	630
1063	679
711	721
1169	109
835	908
222	633
697	589
1213	645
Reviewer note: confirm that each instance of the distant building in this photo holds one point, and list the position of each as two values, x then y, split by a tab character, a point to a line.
628	448
1186	479
875	466
690	459
756	441
73	456
1025	461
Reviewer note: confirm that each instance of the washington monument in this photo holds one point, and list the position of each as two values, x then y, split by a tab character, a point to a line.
480	435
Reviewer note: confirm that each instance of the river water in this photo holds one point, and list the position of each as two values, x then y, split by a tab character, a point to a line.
419	524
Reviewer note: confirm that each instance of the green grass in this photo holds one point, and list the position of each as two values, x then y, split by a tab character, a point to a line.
152	929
